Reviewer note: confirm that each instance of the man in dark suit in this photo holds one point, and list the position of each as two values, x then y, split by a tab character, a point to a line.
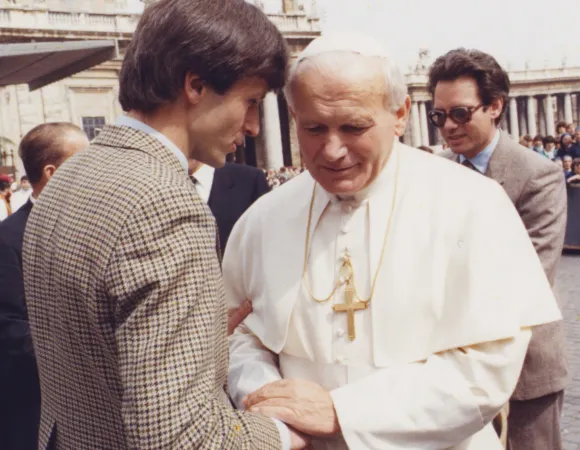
42	151
470	91
228	191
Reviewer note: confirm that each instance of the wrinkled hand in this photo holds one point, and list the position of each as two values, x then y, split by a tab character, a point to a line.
237	316
302	404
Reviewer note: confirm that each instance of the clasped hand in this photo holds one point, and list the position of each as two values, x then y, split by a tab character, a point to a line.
303	405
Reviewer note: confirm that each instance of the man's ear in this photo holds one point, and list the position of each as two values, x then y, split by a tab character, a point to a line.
496	107
194	88
48	172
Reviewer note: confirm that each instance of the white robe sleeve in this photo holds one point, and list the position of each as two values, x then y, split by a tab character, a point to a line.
251	365
434	404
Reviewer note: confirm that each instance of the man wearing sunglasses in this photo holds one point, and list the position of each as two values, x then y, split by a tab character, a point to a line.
470	93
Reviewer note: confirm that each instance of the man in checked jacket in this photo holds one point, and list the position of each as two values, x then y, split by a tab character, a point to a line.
123	285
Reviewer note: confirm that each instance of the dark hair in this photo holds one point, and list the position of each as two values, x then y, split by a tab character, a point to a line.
492	81
221	41
538	137
549	140
561	125
42	146
23	178
4	185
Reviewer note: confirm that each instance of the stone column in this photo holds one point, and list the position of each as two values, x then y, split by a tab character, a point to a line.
541	117
424	125
532	127
514	127
522	117
272	133
550	125
568	108
415	125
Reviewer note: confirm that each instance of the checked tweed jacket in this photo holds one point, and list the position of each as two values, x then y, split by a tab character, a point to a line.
127	308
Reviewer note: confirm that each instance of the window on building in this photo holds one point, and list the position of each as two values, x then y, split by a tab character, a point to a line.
93	126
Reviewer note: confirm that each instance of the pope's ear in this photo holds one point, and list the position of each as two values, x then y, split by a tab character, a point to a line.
402	116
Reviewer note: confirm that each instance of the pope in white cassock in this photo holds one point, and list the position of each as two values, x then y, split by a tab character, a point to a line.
393	292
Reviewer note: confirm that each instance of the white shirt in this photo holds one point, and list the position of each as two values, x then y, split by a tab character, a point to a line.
3	210
19	199
204	180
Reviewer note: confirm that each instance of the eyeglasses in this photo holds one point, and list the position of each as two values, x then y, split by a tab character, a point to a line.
460	115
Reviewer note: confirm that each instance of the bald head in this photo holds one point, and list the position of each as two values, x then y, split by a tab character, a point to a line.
44	148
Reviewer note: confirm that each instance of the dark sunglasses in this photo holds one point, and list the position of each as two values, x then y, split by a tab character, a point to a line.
460	115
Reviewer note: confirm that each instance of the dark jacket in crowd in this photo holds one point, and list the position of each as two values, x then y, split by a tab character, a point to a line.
19	385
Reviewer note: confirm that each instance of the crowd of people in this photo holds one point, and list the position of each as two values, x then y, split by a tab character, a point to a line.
563	149
277	177
13	195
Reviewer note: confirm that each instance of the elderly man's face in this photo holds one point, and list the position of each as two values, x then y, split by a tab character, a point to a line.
345	131
567	163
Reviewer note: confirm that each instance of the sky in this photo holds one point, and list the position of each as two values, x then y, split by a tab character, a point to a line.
541	33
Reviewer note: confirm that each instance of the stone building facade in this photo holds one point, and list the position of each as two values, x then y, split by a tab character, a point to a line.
539	98
89	99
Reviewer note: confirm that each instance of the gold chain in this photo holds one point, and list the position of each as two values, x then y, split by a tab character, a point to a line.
346	260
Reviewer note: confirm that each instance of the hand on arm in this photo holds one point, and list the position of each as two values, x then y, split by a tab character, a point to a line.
432	404
237	315
302	404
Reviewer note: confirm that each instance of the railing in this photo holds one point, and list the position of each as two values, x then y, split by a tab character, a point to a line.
17	17
67	21
287	23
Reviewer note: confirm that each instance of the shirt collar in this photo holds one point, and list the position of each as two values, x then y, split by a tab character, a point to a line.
126	121
204	176
481	160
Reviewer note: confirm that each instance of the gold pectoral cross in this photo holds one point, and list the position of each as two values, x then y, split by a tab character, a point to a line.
349	307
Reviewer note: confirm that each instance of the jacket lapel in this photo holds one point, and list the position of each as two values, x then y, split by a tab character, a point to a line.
500	159
222	182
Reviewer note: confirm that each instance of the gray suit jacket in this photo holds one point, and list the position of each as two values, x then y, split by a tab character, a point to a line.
127	307
537	189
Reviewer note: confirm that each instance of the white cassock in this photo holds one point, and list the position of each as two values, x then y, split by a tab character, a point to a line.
440	348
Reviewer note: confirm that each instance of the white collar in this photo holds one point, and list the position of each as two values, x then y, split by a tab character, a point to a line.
204	176
126	121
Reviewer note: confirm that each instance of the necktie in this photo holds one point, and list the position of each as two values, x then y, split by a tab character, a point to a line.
468	164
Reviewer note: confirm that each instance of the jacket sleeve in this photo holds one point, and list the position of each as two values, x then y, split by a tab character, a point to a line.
171	331
543	209
261	186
